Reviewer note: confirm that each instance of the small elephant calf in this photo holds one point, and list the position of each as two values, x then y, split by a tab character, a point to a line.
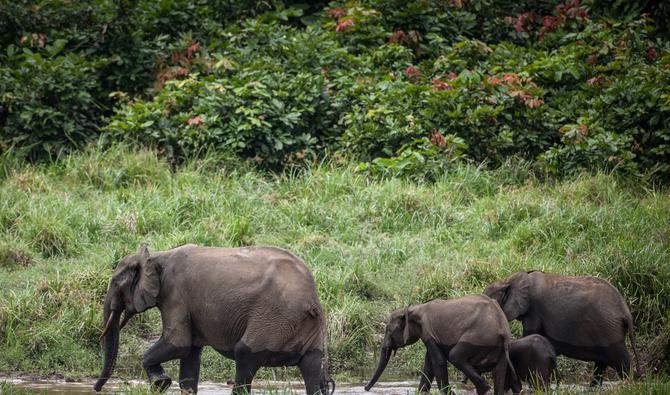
534	361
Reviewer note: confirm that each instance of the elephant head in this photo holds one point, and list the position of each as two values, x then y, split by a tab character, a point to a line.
403	328
134	287
511	294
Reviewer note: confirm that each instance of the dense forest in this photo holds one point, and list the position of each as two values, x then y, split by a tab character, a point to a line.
406	150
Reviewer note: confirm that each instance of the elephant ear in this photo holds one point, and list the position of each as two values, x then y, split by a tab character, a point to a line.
146	291
409	318
405	334
515	300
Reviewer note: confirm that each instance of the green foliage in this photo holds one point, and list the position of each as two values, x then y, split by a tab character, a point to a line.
565	85
47	99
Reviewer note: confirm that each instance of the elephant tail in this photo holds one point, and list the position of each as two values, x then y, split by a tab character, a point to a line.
326	358
633	343
512	371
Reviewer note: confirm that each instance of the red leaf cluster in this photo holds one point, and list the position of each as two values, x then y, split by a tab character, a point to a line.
527	21
195	121
182	57
337	13
441	85
652	54
344	24
413	73
437	138
493	80
397	37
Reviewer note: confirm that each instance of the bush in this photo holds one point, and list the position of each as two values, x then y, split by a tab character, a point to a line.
47	99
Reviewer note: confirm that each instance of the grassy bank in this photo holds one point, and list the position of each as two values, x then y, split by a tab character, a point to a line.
373	245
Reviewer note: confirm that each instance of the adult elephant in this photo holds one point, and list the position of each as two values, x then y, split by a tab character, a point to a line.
583	317
256	305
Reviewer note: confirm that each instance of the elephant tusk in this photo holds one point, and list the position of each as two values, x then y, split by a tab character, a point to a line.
108	324
126	317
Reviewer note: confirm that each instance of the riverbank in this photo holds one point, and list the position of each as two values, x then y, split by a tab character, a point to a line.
372	244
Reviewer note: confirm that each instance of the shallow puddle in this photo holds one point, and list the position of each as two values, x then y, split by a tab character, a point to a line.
209	388
49	386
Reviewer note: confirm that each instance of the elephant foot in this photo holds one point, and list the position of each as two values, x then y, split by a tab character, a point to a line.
188	391
483	389
160	383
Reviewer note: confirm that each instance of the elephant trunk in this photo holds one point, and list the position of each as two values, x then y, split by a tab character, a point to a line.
384	358
110	338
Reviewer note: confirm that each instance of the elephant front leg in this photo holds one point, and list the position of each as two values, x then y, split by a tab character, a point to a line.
189	371
427	375
459	357
439	364
161	351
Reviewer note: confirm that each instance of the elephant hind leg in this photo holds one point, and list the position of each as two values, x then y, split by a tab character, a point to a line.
500	376
598	373
189	371
312	373
245	369
622	363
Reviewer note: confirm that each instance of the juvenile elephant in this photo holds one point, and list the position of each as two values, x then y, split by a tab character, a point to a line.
256	305
534	361
583	317
470	332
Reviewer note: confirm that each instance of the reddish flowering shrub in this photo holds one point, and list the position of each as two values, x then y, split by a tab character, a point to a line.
441	85
584	129
337	13
598	80
182	57
524	22
511	78
397	37
343	25
452	75
592	60
652	54
437	138
413	73
493	80
195	121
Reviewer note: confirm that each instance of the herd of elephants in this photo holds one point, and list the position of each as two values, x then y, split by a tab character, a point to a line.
259	306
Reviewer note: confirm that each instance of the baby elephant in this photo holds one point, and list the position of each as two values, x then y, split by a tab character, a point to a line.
470	332
534	360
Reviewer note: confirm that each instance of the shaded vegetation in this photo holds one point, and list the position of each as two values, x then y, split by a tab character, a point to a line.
405	87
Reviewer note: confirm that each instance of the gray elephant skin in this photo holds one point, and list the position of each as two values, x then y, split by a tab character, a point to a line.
470	332
583	317
256	305
534	360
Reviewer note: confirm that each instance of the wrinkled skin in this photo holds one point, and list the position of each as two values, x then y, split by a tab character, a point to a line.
584	318
470	332
534	360
256	305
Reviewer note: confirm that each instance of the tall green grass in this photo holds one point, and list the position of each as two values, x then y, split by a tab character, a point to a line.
373	245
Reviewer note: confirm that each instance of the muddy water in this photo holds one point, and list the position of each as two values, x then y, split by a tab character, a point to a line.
53	387
61	387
